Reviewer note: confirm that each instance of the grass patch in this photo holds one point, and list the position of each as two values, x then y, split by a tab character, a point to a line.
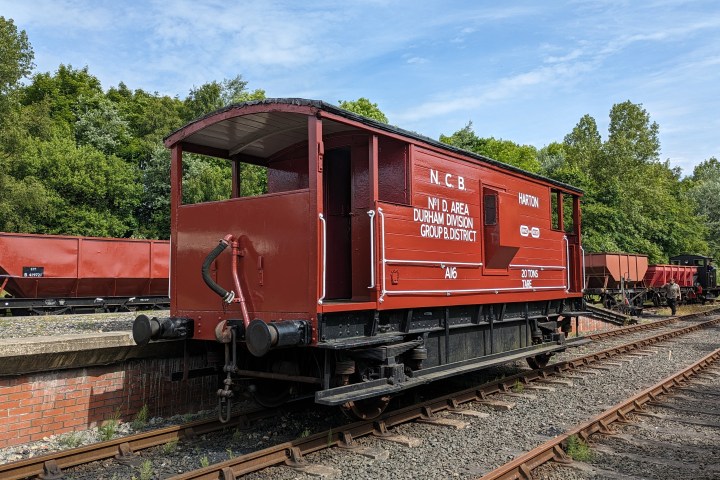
204	461
146	470
109	427
170	447
577	449
519	387
70	440
141	418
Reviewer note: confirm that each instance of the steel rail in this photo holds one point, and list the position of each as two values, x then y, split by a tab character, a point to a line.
124	446
646	326
292	453
521	467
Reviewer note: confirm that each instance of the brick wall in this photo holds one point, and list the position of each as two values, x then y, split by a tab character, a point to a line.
37	405
588	325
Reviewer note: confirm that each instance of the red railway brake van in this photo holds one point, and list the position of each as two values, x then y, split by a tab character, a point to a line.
378	259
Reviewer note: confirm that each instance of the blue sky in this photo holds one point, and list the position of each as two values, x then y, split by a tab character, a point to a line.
524	71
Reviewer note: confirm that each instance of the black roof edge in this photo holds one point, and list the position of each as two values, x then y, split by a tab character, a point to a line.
321	105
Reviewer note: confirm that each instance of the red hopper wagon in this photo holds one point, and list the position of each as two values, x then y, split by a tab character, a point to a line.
59	274
378	259
659	275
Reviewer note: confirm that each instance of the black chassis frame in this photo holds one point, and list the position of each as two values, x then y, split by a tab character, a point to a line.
458	339
58	306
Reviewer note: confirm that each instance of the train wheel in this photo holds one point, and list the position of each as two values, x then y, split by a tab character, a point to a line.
366	409
539	361
273	393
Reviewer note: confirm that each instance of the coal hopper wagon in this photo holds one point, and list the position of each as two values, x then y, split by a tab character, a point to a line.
57	274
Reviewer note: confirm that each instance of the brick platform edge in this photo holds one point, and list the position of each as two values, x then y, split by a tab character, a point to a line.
38	405
589	325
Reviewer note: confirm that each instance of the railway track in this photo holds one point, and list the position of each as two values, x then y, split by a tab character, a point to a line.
293	452
124	449
631	464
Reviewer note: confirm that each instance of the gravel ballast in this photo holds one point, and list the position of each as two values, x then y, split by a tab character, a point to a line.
444	453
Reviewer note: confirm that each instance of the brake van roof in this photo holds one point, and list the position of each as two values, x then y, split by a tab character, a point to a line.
262	128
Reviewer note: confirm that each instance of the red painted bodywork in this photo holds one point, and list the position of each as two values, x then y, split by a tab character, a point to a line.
306	246
83	266
659	275
605	270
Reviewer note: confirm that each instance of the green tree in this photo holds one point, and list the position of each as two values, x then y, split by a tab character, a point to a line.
149	118
363	106
98	193
214	95
26	205
62	90
205	180
464	138
521	156
99	124
707	170
704	188
153	212
16	62
16	56
633	202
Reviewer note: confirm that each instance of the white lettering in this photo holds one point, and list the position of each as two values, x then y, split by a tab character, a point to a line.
447	182
529	273
461	183
434	177
431	231
428	216
528	200
459	208
451	273
433	203
527	283
459	221
460	234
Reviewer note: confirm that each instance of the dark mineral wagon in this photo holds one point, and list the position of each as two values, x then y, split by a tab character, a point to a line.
377	260
59	274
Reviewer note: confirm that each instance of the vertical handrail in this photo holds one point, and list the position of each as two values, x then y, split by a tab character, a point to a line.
567	261
371	213
382	251
324	256
584	284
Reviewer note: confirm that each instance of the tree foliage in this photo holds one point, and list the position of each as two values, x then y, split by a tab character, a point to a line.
363	106
633	202
16	56
97	193
704	188
214	95
80	160
521	156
